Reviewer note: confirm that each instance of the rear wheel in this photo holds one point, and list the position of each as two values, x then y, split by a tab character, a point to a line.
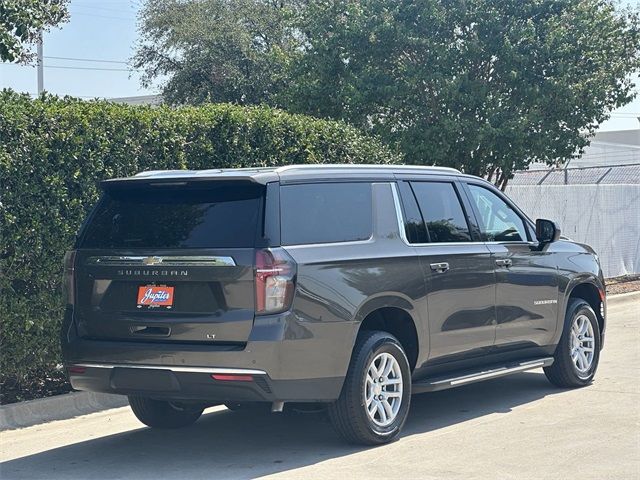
577	355
375	398
163	414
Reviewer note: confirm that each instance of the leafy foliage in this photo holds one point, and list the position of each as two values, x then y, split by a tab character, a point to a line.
217	50
20	22
54	152
487	86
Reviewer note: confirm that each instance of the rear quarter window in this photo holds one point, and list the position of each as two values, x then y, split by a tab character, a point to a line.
208	216
325	213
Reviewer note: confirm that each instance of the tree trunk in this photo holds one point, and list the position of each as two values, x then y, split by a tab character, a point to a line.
503	183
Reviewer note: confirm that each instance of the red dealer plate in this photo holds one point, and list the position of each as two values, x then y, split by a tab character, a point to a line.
151	296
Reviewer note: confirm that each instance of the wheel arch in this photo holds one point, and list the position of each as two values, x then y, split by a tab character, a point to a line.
397	316
591	290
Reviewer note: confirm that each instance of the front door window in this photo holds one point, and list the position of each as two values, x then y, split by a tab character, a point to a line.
498	221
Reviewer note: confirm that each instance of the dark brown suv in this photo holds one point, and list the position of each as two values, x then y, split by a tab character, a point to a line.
352	286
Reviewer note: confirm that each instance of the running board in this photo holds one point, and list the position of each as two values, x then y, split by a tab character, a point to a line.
469	376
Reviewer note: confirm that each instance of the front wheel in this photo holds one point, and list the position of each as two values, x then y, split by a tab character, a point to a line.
163	414
375	398
578	353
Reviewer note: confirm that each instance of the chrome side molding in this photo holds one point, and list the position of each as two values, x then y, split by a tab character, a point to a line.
169	261
209	370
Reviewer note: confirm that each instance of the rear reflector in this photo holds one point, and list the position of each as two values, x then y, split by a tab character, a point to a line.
232	378
76	370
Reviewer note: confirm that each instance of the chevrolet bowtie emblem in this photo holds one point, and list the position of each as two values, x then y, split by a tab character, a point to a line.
152	260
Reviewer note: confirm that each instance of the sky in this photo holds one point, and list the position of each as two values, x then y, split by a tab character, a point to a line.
105	30
97	30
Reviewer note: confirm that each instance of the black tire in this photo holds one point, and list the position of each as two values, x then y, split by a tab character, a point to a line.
348	414
564	372
163	414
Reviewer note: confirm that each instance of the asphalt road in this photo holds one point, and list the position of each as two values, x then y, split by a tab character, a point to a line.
518	427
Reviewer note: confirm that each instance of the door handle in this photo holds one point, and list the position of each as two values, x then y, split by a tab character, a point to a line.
439	267
504	262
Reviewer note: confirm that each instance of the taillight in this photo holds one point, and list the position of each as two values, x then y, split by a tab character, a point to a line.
67	279
274	279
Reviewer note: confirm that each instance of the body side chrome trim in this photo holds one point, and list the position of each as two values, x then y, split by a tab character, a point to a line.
329	244
398	207
403	233
173	368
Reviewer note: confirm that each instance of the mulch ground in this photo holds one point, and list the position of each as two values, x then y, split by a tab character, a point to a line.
624	284
45	384
55	383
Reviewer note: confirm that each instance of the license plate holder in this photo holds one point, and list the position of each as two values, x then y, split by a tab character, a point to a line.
155	296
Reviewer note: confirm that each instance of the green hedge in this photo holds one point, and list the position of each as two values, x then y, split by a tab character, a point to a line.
53	154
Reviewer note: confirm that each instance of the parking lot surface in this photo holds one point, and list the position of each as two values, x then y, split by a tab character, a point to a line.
518	427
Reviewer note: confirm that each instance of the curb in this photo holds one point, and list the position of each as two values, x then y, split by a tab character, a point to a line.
62	407
623	300
621	296
59	407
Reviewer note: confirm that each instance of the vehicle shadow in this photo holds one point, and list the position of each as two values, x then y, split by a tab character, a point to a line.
237	445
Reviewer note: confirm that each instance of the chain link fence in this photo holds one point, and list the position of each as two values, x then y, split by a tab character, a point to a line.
605	175
599	206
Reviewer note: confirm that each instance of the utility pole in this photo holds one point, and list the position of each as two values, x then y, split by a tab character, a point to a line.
40	64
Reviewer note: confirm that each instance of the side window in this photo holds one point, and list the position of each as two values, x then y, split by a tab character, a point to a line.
442	211
325	213
498	221
413	223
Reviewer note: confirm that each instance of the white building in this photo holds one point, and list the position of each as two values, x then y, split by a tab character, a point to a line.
620	147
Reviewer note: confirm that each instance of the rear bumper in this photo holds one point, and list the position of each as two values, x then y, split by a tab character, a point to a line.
198	384
286	360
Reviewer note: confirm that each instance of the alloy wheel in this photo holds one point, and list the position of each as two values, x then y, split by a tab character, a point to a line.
582	343
383	389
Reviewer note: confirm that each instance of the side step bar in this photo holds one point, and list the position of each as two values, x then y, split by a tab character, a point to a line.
469	376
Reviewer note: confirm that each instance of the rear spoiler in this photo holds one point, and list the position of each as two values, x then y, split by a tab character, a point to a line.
186	177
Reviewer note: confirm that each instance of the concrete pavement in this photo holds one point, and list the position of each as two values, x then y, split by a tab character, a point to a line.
518	427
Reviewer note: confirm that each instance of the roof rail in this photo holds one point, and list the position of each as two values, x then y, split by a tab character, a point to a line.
287	168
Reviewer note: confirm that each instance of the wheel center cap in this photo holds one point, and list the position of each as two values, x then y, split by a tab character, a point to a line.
377	389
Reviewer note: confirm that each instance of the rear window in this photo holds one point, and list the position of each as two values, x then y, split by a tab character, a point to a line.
325	213
211	216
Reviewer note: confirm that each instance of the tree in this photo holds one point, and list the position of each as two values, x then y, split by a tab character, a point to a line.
21	22
217	50
487	86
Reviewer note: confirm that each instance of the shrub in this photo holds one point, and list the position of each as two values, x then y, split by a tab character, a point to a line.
55	151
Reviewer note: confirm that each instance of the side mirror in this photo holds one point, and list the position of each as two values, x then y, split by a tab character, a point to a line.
547	231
